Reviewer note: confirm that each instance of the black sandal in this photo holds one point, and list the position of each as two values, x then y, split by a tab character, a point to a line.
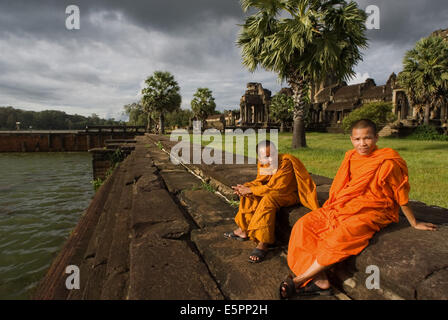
290	287
260	254
311	289
232	235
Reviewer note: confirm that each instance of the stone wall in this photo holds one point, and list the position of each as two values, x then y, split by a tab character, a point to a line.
56	141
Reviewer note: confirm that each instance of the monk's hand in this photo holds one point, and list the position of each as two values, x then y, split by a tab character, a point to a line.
244	191
236	190
425	226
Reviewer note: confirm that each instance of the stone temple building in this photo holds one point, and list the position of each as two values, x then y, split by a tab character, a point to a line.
254	105
332	103
332	100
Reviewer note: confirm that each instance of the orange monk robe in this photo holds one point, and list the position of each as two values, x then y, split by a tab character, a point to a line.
288	186
365	196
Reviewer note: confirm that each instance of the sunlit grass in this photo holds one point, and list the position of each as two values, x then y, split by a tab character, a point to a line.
427	161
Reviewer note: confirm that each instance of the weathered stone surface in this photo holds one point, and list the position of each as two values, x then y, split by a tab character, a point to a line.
179	181
115	286
150	208
286	218
434	286
237	277
94	284
147	182
118	260
206	208
320	180
406	257
168	269
426	213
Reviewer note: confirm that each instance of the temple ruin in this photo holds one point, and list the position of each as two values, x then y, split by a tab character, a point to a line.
254	105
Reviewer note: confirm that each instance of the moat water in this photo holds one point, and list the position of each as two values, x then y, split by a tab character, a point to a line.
42	197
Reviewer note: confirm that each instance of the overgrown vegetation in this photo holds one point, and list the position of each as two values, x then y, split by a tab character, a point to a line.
379	112
97	183
427	133
205	186
114	158
234	204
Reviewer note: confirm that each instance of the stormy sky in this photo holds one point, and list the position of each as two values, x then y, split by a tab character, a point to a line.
103	65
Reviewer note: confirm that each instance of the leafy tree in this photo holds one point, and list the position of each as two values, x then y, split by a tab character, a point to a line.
303	41
281	109
47	120
425	73
379	112
136	114
161	96
203	104
180	118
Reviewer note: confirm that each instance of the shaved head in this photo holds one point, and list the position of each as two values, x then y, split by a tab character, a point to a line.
364	124
266	144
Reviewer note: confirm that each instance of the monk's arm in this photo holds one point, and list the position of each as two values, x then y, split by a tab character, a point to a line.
277	182
407	211
244	189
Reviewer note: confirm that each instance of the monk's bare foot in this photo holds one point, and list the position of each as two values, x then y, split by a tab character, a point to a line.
321	280
240	233
260	246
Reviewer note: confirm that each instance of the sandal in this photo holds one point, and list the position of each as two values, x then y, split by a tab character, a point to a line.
260	254
311	289
290	287
232	235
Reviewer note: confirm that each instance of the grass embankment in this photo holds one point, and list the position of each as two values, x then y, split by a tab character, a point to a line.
427	161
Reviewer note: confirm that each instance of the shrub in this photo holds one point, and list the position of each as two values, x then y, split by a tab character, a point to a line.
378	112
427	132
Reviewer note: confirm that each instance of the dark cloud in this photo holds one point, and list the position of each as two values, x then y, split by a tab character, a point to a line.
403	22
102	66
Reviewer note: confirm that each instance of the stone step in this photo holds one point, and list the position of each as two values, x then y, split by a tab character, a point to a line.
165	269
162	263
412	263
52	286
94	263
116	281
227	260
239	279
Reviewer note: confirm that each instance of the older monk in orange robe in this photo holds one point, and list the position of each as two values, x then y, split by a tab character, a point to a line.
367	192
272	189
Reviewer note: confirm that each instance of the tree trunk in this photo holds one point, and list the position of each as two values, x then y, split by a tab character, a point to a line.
149	123
298	133
161	124
427	113
282	126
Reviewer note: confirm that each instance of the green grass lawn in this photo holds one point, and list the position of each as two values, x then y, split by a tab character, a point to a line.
427	161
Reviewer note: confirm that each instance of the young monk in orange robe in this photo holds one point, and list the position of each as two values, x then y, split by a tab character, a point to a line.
367	192
271	190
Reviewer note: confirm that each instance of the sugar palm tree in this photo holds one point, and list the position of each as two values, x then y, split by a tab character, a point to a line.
303	41
203	104
425	73
161	96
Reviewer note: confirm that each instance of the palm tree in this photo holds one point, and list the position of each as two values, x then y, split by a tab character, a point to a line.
203	104
303	41
161	96
425	73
